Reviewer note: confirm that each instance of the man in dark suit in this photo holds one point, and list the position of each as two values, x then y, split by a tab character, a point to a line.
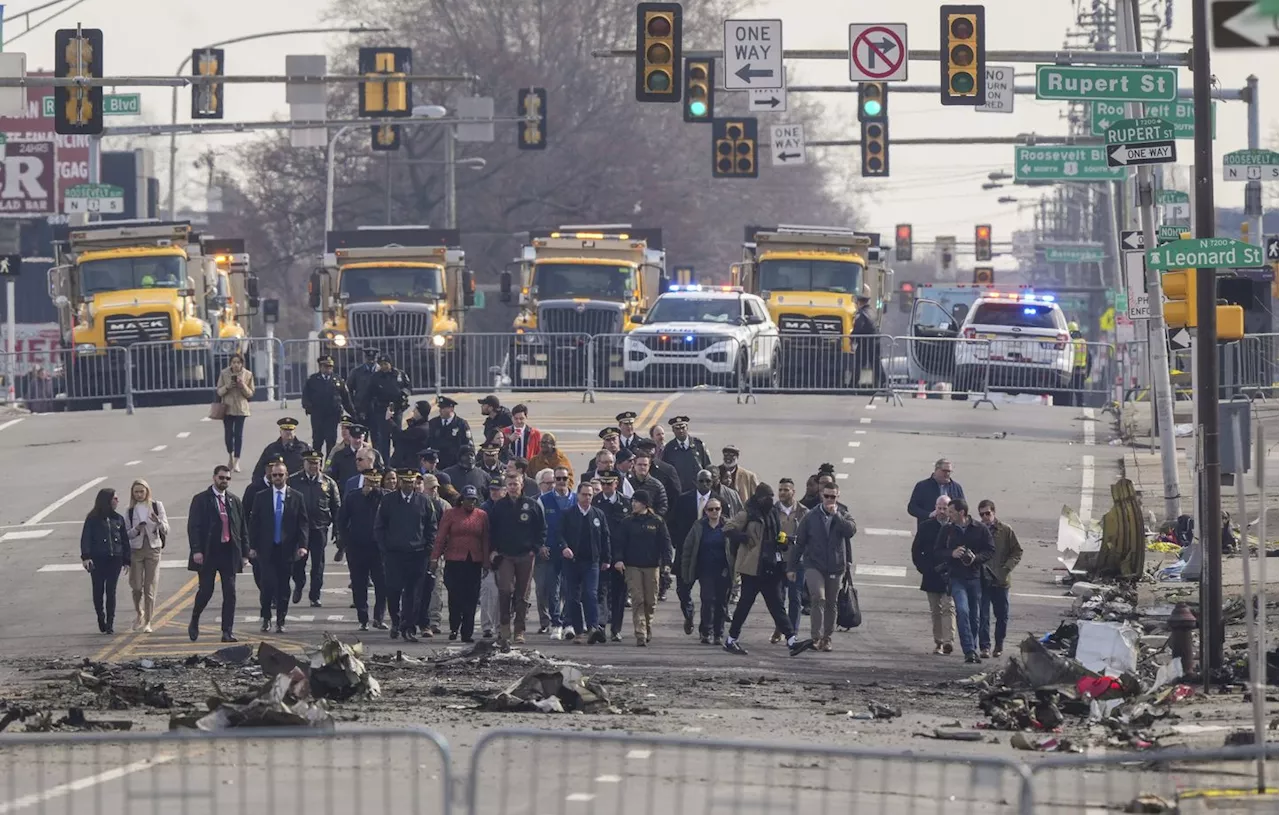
326	400
278	530
219	547
405	531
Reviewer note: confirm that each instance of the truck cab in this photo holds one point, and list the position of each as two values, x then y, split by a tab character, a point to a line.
233	301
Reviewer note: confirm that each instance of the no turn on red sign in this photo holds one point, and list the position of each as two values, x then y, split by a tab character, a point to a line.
877	52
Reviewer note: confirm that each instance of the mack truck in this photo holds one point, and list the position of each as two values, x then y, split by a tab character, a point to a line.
403	290
178	303
577	282
810	276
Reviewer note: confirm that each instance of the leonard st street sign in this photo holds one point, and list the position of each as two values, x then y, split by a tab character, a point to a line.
1203	253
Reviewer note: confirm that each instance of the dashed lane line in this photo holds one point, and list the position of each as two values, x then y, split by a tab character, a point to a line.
848	460
865	420
886	533
859	432
841	476
184	434
159	447
34	520
855	444
133	463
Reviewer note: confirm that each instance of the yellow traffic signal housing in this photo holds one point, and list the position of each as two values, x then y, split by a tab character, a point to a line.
700	93
532	134
963	58
385	137
873	101
875	149
206	100
77	111
1230	323
982	243
1179	288
659	54
734	144
984	274
384	95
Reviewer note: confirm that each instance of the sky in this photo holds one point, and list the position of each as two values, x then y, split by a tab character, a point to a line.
935	188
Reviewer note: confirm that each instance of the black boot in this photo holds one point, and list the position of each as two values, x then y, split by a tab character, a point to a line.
193	628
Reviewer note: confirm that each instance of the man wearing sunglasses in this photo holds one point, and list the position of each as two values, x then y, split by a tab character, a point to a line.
966	546
996	574
824	550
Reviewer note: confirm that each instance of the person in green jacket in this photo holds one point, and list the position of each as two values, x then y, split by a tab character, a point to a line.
996	578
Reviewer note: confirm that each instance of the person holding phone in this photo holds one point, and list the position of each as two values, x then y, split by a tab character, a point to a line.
235	389
148	528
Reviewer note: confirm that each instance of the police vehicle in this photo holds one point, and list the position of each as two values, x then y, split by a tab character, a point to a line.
703	335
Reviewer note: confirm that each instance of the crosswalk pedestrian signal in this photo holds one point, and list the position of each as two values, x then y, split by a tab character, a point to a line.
964	60
902	242
532	133
700	90
383	95
658	52
206	100
982	243
984	275
77	111
734	144
385	138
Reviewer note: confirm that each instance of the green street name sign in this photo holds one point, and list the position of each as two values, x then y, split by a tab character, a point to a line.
1248	157
1067	82
1172	197
1180	114
94	191
1134	131
1074	254
1059	163
1167	233
113	104
1203	253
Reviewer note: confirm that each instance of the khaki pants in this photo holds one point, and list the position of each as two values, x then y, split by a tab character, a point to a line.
943	611
144	579
824	591
438	598
514	574
642	585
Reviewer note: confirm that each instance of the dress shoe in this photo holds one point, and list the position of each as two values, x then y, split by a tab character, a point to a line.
193	630
227	636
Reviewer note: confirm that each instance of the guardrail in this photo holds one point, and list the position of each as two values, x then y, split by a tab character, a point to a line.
52	379
1248	368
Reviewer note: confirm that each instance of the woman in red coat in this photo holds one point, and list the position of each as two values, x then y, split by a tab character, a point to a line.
463	541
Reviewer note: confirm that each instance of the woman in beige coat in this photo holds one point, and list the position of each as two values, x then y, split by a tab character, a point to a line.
148	527
235	389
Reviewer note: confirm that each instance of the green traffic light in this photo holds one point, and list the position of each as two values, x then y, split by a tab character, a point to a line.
698	108
871	107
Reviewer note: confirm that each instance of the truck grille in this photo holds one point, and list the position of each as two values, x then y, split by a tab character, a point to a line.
677	344
802	324
126	329
389	324
571	321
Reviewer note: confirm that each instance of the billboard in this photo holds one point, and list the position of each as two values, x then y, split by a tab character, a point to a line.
34	178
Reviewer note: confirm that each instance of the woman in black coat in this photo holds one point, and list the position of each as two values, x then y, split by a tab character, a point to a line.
104	545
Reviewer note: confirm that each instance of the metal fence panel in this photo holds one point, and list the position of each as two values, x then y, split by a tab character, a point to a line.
671	362
49	379
528	361
531	772
171	367
1251	367
928	366
815	363
297	771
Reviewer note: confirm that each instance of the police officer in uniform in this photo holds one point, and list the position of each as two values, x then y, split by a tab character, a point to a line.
358	383
342	463
867	342
686	453
448	433
1080	363
490	464
323	500
288	448
325	399
627	430
414	437
388	397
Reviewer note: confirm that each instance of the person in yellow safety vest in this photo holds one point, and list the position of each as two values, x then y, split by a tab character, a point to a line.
1080	364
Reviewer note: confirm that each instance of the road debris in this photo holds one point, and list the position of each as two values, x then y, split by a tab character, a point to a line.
545	690
337	672
284	701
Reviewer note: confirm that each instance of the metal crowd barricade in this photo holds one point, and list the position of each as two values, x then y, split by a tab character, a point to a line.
53	379
937	367
1133	371
527	361
166	367
670	362
423	359
1251	367
816	363
1110	783
625	774
298	770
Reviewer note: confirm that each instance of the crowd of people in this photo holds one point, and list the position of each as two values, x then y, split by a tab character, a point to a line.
445	527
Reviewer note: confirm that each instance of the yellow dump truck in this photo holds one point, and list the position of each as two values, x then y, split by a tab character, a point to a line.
235	302
577	282
810	276
403	290
149	287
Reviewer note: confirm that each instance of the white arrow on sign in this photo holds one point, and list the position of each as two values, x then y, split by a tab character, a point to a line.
1153	153
788	145
1132	240
1252	25
1182	339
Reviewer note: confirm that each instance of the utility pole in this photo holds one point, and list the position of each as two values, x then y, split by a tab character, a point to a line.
1253	187
1206	352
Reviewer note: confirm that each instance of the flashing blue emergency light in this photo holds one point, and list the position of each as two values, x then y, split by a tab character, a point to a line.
1031	311
688	338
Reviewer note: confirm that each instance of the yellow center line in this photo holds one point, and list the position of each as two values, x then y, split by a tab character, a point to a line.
644	417
164	613
662	408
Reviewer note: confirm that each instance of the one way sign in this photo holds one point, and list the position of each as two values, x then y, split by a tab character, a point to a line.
788	145
772	100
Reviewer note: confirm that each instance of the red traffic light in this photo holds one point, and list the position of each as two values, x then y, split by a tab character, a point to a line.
904	232
983	232
907	287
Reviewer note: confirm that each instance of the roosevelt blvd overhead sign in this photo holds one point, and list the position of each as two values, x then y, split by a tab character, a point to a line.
1203	253
1051	163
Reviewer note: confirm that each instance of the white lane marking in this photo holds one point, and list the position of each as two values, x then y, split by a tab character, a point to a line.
1086	487
859	432
56	505
868	407
205	419
865	420
848	461
77	523
638	755
135	462
10	423
1089	426
82	783
334	618
855	444
25	534
184	434
173	563
158	448
880	571
608	779
841	476
887	533
580	797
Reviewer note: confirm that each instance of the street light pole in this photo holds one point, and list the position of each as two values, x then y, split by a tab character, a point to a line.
450	180
171	204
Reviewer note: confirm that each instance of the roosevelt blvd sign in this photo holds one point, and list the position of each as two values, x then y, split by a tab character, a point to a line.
1251	165
1203	253
1175	203
1063	164
1069	82
1181	114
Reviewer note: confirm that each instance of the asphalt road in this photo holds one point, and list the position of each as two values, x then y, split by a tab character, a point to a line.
1030	459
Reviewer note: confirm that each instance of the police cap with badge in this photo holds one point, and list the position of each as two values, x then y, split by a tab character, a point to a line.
288	423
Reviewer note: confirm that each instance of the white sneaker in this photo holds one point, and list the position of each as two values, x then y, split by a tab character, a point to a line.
146	629
556	632
137	623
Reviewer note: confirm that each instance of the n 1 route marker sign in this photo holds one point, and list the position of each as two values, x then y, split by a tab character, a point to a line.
105	199
1175	203
1070	83
999	90
1140	141
1251	165
768	100
1203	253
788	145
1052	163
877	52
752	54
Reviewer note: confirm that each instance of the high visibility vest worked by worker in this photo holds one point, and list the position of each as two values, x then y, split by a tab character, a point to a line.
1080	354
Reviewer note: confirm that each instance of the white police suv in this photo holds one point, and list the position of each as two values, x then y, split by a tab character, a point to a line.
703	335
1023	344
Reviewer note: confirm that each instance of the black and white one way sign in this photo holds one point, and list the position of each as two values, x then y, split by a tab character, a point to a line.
788	145
752	54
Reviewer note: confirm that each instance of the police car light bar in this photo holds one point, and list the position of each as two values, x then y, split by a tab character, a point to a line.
700	287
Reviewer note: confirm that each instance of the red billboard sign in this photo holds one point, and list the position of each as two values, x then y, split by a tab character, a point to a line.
33	178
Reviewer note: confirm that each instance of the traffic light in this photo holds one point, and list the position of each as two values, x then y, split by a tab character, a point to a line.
532	135
77	111
902	242
964	59
385	137
984	275
906	295
700	90
873	102
383	95
875	149
734	145
982	243
658	52
1179	288
206	100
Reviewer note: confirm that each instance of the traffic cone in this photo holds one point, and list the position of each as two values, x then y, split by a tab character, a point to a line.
920	393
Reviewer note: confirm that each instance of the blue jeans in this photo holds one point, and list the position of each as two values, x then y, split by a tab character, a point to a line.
582	581
546	577
996	597
967	594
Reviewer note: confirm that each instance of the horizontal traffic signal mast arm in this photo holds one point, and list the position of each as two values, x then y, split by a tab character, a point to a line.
1026	139
244	127
1144	59
1222	94
229	79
